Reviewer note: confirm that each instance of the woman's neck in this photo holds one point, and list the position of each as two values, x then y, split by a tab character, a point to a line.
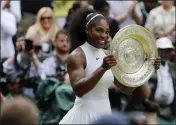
89	41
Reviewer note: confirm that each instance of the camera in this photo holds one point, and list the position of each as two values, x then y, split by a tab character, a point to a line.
28	45
61	71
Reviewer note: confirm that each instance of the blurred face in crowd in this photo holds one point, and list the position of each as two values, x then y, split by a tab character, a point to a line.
105	12
167	3
98	33
20	44
165	54
62	43
46	20
149	5
15	88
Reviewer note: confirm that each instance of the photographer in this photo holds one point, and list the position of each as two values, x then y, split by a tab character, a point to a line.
24	59
55	66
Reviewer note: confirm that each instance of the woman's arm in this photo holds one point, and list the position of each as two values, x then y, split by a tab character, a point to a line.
81	84
76	70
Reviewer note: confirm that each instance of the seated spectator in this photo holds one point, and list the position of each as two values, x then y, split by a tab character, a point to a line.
29	11
45	29
23	59
163	82
55	66
18	111
15	85
146	7
161	20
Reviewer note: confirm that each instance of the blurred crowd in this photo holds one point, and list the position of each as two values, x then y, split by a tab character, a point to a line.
35	44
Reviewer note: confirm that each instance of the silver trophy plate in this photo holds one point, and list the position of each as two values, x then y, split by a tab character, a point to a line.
133	48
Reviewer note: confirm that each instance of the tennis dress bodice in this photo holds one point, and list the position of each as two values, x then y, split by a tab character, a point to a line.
95	103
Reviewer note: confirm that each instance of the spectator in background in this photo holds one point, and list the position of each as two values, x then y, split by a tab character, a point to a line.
15	85
161	20
13	7
29	9
23	60
163	82
45	29
61	9
26	61
55	66
125	12
146	7
18	111
8	30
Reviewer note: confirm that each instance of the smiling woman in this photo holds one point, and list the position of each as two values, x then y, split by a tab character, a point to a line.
45	29
89	68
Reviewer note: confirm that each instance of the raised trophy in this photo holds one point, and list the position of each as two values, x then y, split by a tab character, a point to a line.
133	48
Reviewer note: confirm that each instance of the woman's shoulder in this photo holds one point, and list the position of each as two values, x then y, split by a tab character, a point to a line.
78	52
77	56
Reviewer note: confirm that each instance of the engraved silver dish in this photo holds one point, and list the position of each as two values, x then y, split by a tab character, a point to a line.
133	48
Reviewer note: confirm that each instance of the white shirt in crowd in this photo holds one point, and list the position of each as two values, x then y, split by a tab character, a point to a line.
9	19
15	9
160	20
49	65
165	89
119	7
8	29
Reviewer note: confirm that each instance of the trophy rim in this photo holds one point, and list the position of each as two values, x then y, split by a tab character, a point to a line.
153	41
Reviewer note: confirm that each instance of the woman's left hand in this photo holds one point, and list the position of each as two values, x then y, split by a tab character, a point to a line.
156	62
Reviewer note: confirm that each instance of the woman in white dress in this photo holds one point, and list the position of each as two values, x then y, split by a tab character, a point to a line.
89	68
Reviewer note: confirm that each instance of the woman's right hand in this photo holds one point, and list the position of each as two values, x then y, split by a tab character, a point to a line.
108	62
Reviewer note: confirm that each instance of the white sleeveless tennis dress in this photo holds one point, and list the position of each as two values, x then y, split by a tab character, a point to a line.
95	103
